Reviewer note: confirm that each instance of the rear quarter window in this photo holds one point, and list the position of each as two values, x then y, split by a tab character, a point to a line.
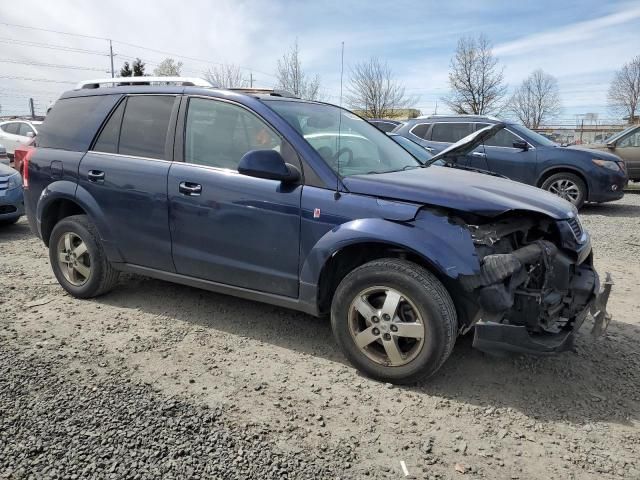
73	122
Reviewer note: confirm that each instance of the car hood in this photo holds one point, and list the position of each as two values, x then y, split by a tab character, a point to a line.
597	150
468	144
460	190
6	170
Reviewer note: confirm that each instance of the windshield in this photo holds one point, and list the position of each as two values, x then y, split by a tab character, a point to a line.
412	147
349	144
618	135
531	135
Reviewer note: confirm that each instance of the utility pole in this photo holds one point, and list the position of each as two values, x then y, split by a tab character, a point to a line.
581	129
111	55
251	79
33	112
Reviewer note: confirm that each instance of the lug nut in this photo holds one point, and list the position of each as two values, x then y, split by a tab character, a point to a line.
376	331
386	317
375	319
387	336
394	328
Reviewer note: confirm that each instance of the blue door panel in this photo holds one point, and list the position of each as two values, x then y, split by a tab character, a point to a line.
133	197
240	230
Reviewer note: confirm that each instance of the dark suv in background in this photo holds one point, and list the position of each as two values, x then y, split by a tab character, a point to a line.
307	206
577	175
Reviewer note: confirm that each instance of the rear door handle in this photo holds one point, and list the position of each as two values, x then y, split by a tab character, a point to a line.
190	189
96	176
479	154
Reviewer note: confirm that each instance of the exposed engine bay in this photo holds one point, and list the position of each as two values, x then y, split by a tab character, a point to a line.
536	285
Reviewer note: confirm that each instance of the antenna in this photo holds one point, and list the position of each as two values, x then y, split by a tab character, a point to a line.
337	194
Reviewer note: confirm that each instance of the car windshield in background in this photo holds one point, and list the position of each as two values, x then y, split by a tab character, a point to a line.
619	135
413	148
349	144
530	134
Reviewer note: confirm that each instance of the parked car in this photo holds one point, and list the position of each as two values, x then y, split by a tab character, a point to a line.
240	193
575	174
17	132
626	145
384	124
11	199
4	158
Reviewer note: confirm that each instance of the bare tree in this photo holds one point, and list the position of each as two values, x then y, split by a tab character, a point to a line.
168	68
476	81
293	79
624	91
536	100
374	92
226	76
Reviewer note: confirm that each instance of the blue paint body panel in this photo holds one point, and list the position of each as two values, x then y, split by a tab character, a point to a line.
265	236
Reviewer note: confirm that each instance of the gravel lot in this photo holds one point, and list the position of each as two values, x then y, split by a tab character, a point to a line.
160	380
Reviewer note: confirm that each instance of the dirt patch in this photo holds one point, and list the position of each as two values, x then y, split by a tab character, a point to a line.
573	415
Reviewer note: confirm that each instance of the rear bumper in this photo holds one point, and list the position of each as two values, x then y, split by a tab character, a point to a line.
494	337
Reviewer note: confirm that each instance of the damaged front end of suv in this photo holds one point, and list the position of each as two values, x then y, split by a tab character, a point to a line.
536	284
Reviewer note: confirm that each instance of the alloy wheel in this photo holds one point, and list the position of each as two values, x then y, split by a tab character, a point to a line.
565	189
73	259
386	326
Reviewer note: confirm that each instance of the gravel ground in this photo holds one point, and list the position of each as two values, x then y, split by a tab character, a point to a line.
160	380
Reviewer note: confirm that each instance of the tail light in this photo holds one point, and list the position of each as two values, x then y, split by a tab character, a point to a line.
22	155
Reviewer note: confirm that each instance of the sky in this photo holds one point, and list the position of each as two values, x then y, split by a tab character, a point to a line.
581	43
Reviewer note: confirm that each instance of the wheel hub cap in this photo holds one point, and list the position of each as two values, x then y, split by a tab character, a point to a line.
73	259
565	189
386	326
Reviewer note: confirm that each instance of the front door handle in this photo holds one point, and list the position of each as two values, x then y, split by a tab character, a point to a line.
190	189
479	154
96	176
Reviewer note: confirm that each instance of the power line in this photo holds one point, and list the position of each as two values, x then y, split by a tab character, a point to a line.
27	43
52	31
48	80
53	65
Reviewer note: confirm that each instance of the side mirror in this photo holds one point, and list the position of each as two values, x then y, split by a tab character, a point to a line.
611	145
30	134
521	144
267	164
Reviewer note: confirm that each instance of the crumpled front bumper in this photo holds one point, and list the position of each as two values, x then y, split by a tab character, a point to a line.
495	337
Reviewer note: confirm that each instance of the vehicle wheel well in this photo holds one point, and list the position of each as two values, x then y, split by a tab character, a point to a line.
55	212
352	256
553	171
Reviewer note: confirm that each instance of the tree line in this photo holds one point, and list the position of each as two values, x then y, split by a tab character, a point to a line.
476	84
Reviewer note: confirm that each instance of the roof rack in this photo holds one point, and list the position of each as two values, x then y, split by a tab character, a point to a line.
264	91
184	81
471	115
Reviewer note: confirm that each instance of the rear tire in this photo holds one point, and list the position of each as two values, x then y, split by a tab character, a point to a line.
78	259
568	186
381	345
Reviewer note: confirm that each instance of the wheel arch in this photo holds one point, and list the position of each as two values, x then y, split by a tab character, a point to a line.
563	169
341	251
63	199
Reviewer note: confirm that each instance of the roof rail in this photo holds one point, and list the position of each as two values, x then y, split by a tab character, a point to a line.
263	91
470	115
185	81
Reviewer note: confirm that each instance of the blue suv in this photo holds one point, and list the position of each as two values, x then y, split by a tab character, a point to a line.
577	175
307	206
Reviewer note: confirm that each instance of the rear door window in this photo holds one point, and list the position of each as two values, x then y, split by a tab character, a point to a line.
421	130
145	126
110	135
450	132
11	128
24	129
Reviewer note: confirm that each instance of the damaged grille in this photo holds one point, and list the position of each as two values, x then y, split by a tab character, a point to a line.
576	227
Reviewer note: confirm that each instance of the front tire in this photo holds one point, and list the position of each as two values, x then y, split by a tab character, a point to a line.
78	259
394	320
567	186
